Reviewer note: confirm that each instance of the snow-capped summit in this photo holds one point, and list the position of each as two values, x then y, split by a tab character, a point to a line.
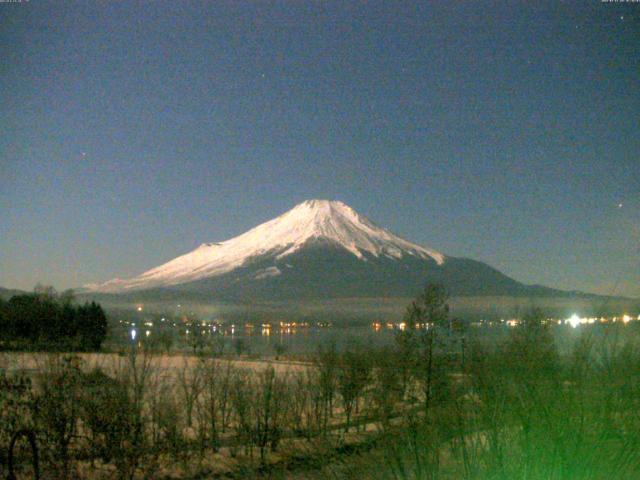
319	249
332	222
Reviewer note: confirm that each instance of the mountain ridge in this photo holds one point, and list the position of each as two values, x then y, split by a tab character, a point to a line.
282	236
319	249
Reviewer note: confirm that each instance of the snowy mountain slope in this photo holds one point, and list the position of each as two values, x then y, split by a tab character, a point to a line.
329	222
318	250
324	270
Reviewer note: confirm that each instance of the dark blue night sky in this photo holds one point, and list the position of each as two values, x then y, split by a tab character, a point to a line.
131	132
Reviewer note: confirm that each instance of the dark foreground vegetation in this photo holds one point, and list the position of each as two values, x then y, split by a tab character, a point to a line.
46	320
439	403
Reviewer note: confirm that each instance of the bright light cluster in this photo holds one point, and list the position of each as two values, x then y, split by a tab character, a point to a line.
574	320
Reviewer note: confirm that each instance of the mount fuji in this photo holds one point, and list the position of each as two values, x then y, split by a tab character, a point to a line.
320	249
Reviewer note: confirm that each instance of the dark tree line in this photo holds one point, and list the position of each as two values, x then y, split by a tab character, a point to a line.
50	321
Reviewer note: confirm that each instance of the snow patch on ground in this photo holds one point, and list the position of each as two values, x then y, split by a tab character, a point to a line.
267	272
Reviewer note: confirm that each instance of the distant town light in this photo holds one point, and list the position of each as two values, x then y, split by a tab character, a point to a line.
133	334
147	333
574	320
139	309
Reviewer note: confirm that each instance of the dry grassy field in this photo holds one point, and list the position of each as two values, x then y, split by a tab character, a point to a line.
167	365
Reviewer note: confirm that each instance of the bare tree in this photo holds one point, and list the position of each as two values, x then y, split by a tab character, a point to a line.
190	382
57	409
306	404
270	405
388	388
327	367
241	399
427	327
136	374
353	376
224	404
214	400
105	414
167	422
